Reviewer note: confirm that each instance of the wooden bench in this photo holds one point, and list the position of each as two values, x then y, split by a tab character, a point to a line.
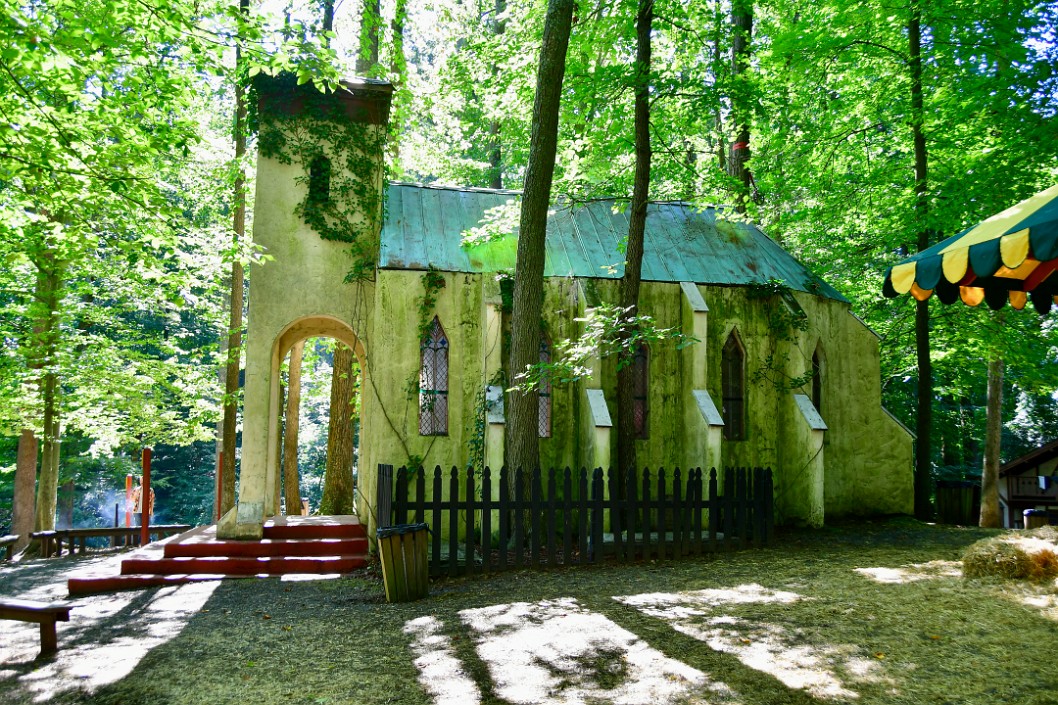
8	543
44	613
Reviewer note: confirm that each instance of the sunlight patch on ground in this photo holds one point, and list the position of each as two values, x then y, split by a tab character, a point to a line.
769	648
440	672
555	651
913	572
106	637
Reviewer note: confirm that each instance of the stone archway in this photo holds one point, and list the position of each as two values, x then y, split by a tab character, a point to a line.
262	410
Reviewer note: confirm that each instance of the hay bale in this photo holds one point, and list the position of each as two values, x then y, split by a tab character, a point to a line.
1029	555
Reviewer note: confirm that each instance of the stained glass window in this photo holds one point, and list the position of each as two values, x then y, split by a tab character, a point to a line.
733	380
433	383
544	417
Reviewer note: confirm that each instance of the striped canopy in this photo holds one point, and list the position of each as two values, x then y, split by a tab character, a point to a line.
1009	257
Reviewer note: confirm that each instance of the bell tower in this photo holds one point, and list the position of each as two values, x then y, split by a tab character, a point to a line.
317	217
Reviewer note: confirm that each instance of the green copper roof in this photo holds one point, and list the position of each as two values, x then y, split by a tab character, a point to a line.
425	225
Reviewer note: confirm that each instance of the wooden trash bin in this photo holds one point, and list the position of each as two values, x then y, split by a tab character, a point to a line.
405	571
1035	518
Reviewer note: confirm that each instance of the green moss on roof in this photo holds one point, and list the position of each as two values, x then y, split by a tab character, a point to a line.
424	227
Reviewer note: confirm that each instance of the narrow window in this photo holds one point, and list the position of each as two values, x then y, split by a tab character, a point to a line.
640	408
733	380
817	381
433	383
320	180
544	418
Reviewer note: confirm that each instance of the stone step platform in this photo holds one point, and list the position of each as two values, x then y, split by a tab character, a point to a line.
309	546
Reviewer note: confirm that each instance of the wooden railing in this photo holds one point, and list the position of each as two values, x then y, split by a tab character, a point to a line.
573	517
1029	487
51	541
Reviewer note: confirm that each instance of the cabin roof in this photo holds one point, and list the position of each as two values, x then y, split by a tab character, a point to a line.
425	227
1031	460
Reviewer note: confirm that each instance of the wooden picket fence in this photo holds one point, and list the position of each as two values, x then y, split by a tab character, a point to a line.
577	517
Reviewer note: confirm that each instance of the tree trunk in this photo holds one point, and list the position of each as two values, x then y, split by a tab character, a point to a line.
48	484
924	421
49	280
277	483
495	155
25	484
367	56
742	34
398	69
990	516
338	478
626	373
523	443
291	487
231	380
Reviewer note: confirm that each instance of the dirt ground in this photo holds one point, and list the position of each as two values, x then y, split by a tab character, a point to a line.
873	612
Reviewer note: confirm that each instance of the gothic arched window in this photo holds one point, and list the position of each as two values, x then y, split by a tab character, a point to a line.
433	383
544	391
733	381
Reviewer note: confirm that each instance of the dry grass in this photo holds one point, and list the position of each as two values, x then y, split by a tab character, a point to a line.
873	613
1028	555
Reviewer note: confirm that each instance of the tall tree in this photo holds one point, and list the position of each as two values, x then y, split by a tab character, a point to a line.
523	444
626	370
234	346
742	36
338	480
990	516
291	429
924	416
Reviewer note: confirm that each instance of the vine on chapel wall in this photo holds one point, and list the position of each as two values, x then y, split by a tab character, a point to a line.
351	152
786	319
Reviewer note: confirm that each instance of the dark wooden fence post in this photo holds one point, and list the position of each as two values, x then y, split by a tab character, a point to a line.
436	564
471	540
486	519
400	501
519	516
583	499
714	511
647	508
505	516
567	517
663	518
383	496
597	492
549	517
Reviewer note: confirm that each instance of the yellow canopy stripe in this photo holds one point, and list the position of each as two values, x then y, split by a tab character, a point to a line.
1014	248
954	264
1000	223
903	277
1018	299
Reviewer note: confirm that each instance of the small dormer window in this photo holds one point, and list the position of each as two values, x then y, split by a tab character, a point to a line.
320	180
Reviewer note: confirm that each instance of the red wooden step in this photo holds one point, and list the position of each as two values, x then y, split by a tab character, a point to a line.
281	565
267	547
109	583
322	528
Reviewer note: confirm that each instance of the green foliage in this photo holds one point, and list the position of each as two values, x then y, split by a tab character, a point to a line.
342	203
609	331
432	283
